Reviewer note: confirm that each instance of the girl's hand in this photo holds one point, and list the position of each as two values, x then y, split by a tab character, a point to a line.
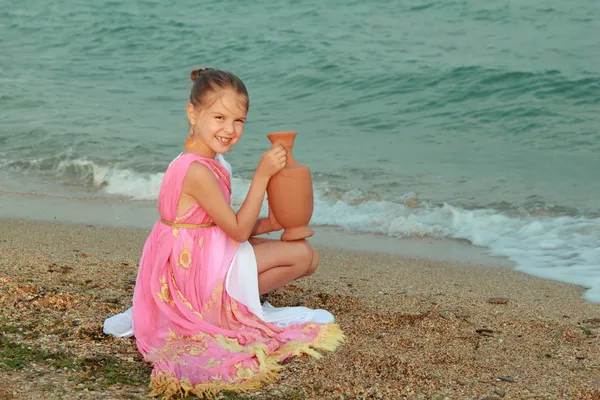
272	161
274	224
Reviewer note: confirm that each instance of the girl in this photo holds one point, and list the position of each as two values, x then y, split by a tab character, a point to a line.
196	308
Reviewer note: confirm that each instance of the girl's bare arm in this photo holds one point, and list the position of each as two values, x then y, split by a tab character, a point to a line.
203	186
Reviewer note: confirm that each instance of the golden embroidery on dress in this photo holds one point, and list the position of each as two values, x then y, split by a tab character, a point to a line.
244	373
185	257
221	175
165	294
217	293
230	344
211	363
177	346
185	301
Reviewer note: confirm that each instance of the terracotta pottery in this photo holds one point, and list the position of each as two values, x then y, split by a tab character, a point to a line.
290	193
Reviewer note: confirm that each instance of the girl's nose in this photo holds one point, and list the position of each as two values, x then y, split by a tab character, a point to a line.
229	129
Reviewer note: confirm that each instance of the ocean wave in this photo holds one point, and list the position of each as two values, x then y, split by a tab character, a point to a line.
106	179
481	82
61	167
563	248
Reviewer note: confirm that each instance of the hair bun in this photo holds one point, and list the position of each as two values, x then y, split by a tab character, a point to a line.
197	72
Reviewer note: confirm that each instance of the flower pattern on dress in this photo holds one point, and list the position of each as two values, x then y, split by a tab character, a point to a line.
185	257
165	294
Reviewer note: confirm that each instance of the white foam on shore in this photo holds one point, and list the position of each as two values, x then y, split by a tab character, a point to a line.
561	248
134	185
564	248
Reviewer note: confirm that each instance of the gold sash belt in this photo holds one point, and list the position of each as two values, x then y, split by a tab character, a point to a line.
188	226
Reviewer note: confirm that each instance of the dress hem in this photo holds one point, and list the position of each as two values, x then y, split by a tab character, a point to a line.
329	338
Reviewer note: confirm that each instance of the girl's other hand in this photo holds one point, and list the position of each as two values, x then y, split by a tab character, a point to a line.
276	226
272	161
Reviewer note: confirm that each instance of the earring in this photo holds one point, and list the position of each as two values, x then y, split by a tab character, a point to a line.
189	142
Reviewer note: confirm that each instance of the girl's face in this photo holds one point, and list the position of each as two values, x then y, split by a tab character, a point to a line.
218	126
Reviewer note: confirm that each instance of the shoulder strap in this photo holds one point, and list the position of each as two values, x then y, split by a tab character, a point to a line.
172	183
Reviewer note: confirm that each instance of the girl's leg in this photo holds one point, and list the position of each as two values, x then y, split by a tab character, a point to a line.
314	262
281	262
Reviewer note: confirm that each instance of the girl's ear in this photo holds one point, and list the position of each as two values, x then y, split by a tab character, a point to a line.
191	113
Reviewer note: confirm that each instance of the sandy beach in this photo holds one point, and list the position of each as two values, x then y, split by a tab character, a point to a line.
416	328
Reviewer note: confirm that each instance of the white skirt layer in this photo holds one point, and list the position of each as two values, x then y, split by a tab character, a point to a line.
241	284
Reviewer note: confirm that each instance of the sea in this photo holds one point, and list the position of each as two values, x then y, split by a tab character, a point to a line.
459	120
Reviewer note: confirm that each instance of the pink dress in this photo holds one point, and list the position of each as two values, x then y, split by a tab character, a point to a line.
200	339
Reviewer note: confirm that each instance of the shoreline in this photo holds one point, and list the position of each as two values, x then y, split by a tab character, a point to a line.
138	214
415	328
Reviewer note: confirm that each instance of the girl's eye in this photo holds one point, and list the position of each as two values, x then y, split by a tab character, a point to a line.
219	117
240	120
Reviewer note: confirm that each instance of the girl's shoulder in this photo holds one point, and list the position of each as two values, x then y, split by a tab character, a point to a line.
183	160
178	169
181	164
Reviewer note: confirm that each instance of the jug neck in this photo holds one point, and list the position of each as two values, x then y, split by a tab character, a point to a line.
286	139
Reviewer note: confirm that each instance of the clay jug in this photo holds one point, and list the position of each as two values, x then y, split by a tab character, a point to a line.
290	193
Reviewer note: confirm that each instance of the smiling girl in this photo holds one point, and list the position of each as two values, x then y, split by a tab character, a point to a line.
196	309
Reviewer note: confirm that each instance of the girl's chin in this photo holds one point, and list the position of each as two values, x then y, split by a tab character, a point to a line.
223	147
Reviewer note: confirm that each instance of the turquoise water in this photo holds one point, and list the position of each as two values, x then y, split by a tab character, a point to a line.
486	114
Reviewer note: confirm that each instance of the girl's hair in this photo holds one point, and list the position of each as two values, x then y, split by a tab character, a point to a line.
210	80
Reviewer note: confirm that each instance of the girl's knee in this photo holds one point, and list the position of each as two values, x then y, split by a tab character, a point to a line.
310	258
306	251
314	262
303	255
